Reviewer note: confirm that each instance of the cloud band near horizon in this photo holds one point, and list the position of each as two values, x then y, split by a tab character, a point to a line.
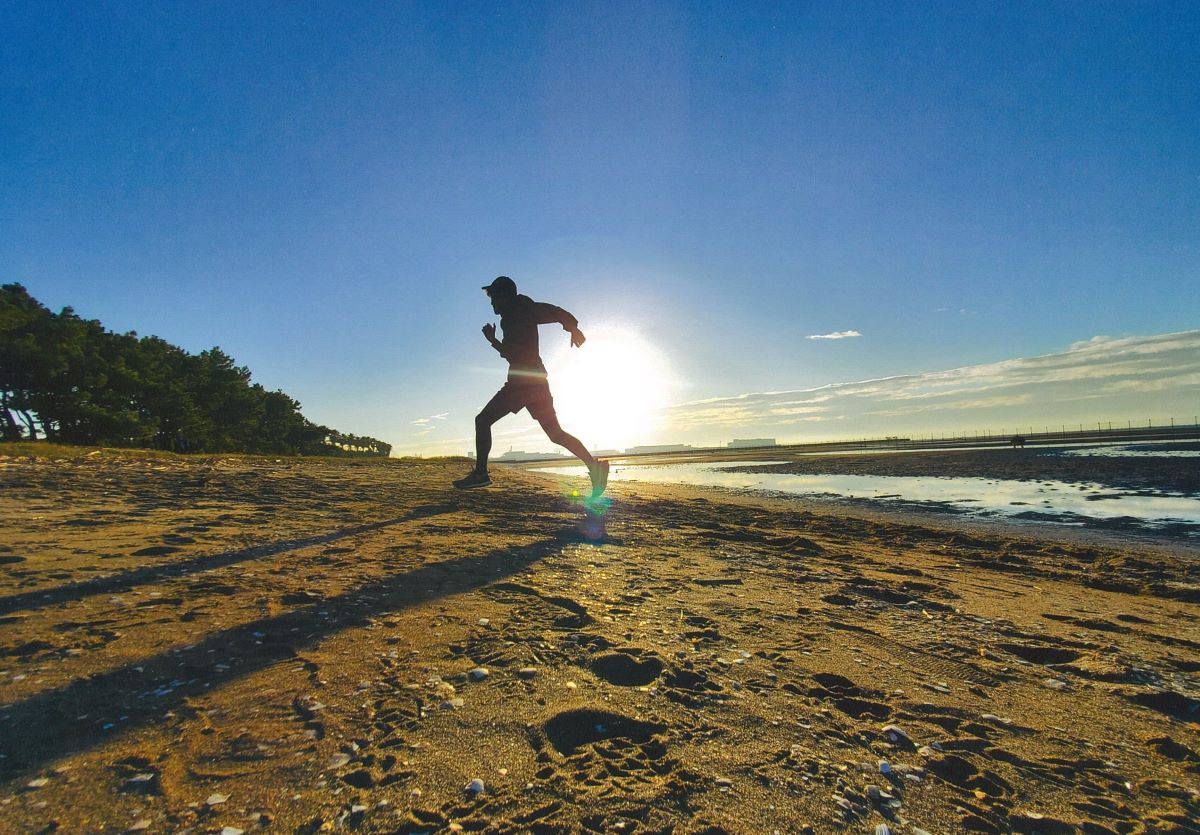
1100	379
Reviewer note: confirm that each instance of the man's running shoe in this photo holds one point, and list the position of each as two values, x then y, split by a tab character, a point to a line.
473	479
599	479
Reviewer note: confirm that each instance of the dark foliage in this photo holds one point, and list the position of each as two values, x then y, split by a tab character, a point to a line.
74	382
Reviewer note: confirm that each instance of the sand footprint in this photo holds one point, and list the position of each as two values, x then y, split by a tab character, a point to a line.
603	752
627	668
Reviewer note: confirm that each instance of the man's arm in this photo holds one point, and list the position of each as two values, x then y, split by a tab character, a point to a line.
545	313
489	333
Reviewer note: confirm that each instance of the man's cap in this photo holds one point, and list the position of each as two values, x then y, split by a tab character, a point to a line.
503	284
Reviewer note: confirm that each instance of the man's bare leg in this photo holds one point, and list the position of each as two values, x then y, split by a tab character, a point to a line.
483	435
597	470
478	477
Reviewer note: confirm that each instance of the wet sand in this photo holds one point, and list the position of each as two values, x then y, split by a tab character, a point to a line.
195	644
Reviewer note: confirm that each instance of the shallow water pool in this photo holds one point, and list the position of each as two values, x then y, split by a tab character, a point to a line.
1043	501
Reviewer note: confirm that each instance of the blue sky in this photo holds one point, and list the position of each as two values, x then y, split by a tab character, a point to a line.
321	191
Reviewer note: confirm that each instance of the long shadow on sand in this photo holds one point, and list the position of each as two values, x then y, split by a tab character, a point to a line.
125	580
47	726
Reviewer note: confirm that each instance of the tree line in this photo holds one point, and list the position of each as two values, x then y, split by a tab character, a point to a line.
69	380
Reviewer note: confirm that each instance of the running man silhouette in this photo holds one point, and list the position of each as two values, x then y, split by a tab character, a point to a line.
527	386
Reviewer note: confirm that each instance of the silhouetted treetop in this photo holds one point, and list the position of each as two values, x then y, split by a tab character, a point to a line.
72	381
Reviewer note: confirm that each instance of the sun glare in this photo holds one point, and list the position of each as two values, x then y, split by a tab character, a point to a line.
611	392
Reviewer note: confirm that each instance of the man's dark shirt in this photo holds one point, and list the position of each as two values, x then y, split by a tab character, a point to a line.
520	344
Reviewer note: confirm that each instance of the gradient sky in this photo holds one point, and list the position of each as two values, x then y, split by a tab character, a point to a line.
321	190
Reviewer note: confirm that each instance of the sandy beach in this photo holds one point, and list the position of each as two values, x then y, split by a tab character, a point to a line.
241	644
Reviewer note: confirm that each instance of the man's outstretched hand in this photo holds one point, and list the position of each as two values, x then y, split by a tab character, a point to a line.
577	338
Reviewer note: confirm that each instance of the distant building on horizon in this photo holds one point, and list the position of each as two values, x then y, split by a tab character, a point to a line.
742	443
515	455
601	453
642	450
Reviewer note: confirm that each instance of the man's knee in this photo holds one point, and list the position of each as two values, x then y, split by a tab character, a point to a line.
485	419
553	431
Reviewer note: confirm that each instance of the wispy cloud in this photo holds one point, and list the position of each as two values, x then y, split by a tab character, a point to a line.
425	425
1099	377
835	335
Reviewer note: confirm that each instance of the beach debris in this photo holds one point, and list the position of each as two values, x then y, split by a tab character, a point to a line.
216	799
232	830
38	783
527	672
484	621
452	704
991	717
1054	684
440	686
476	786
884	767
724	781
338	760
875	793
895	734
140	826
882	829
478	674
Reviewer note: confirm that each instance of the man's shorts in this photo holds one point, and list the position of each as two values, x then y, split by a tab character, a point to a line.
533	395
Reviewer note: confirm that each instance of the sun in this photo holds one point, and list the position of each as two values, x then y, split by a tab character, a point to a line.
611	393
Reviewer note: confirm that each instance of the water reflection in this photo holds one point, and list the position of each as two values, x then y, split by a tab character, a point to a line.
1161	450
1053	501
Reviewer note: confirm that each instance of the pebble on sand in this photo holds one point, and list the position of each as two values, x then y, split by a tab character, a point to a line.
895	733
216	799
527	672
478	674
475	787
